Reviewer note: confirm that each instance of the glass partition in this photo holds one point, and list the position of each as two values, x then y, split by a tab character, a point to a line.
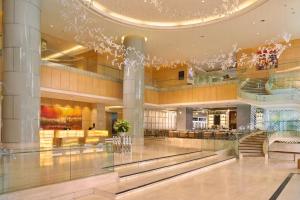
26	168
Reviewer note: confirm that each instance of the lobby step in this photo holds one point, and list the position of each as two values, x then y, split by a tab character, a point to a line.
250	148
252	154
134	183
146	167
116	166
249	145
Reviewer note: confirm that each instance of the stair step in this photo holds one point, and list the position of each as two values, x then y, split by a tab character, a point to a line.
251	151
137	182
154	159
252	155
162	164
251	140
251	143
254	143
249	148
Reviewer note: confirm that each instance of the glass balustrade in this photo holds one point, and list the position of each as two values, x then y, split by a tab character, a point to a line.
26	168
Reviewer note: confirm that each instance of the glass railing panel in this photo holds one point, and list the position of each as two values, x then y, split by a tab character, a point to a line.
22	170
91	161
28	168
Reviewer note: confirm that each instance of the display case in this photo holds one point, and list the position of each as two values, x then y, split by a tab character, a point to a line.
199	123
210	121
223	121
155	119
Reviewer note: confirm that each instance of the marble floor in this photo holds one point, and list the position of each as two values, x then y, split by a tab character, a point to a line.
292	189
246	179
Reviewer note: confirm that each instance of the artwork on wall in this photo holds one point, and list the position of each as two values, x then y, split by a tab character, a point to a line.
56	117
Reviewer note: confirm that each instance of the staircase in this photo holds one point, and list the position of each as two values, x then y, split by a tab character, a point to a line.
255	86
252	146
139	175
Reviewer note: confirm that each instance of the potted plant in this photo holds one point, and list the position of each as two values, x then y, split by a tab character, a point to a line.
121	127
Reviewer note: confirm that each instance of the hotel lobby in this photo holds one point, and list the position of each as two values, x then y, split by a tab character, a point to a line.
150	99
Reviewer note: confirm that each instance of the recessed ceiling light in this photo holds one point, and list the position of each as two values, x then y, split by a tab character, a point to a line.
51	26
257	33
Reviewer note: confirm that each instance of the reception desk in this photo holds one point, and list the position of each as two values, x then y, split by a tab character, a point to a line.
95	136
67	138
46	138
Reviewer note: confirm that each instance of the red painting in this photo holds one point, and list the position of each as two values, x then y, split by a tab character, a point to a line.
59	118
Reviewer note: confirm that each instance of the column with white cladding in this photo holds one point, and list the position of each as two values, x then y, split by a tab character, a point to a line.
21	72
133	87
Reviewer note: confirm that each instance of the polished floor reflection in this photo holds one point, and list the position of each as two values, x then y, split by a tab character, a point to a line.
291	191
246	179
54	166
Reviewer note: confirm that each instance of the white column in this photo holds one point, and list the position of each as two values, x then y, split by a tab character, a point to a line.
21	73
184	119
133	88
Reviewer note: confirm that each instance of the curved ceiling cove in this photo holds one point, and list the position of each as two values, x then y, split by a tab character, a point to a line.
170	14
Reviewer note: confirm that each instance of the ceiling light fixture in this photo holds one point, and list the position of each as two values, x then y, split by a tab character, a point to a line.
117	17
65	52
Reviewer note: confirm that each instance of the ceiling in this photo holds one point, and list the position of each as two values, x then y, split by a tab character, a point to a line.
170	14
265	22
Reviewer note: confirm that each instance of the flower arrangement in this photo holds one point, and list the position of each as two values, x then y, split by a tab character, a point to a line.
121	126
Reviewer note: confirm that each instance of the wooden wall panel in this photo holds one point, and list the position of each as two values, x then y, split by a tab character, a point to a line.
74	82
55	78
71	81
46	77
62	79
200	94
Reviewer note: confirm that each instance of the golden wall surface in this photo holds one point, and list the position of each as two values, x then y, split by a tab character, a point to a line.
67	80
227	91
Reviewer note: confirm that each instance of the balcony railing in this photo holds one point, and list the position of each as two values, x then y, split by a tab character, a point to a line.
26	168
